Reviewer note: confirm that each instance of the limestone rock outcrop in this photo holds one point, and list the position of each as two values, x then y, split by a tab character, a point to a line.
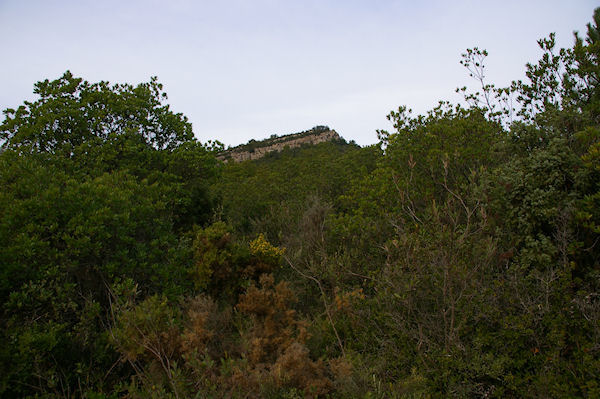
255	150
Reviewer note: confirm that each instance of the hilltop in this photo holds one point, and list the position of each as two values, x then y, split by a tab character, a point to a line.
258	149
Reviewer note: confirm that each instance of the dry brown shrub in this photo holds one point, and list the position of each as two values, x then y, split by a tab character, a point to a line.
208	339
274	324
208	354
295	368
198	331
345	300
343	375
341	368
275	343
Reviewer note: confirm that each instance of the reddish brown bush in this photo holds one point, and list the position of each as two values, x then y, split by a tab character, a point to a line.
275	343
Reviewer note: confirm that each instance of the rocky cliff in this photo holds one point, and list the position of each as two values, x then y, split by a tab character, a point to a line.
255	150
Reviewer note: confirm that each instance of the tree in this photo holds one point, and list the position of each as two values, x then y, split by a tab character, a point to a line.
99	185
71	112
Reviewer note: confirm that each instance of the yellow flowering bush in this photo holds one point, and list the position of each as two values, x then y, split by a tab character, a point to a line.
261	248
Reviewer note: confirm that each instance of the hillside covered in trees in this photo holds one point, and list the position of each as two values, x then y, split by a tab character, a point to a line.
458	257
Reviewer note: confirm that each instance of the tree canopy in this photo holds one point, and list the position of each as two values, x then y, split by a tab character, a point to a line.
71	112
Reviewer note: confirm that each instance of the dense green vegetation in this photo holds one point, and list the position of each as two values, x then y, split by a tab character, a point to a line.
459	257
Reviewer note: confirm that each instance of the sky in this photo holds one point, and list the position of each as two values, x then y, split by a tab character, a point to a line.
247	69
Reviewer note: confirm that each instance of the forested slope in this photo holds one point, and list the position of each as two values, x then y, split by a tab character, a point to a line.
459	257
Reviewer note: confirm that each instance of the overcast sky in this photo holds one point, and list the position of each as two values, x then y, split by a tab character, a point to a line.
243	69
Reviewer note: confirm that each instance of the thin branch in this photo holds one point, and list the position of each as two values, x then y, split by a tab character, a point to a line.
324	302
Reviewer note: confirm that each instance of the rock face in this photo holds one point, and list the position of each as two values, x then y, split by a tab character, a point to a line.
256	150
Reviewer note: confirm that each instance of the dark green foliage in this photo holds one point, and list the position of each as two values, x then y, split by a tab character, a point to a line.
458	258
98	183
269	195
476	242
71	112
222	267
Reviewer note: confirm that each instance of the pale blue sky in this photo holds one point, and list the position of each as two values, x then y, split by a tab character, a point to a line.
245	69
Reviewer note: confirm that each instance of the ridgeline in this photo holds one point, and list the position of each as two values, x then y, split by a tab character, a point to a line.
258	149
